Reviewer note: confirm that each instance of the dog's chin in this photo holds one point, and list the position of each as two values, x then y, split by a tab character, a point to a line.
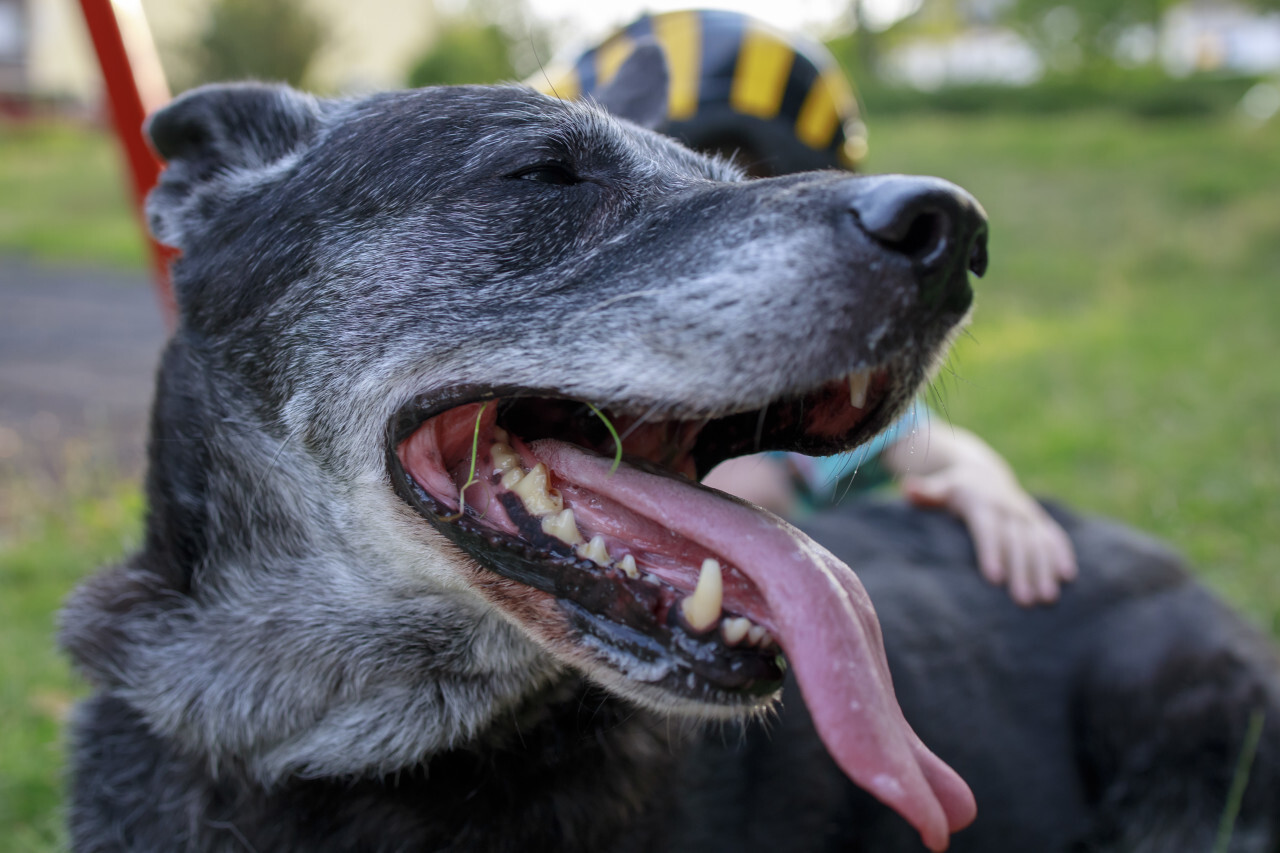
617	561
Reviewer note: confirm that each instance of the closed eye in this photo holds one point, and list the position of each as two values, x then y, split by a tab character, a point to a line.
556	174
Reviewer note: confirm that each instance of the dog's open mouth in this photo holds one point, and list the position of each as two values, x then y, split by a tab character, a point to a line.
601	511
670	584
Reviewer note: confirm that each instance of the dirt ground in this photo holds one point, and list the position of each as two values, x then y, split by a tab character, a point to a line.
78	350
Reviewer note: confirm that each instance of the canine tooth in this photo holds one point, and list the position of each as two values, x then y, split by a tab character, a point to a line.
512	477
734	629
504	458
562	526
859	380
628	566
756	634
702	609
594	551
533	492
500	434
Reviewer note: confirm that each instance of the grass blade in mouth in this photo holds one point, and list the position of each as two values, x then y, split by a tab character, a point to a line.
617	441
471	474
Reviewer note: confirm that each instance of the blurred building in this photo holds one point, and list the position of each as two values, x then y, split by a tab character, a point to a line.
1216	36
1194	36
45	52
979	55
13	58
370	45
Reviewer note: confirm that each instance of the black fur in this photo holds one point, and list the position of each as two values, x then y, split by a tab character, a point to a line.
1112	721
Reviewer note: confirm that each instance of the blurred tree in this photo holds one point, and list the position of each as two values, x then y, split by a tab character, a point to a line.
488	42
262	39
1081	35
861	50
466	51
1084	34
870	34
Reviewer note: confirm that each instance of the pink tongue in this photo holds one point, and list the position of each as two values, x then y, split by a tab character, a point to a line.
824	622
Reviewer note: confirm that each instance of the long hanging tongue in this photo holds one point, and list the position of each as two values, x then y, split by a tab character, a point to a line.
825	624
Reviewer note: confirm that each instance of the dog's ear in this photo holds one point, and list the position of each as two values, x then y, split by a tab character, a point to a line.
216	134
639	91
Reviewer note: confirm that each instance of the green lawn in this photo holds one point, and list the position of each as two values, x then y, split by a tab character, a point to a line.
1122	356
1123	349
36	685
63	197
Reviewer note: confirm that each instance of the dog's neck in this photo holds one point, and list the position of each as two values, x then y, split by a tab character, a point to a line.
572	770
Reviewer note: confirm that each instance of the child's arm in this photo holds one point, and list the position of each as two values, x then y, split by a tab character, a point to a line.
1016	542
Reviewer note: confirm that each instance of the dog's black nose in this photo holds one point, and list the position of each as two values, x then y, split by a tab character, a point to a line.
939	226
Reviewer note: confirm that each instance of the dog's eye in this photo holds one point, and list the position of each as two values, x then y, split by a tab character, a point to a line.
556	174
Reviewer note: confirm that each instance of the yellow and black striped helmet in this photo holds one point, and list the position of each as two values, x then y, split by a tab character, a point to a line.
737	85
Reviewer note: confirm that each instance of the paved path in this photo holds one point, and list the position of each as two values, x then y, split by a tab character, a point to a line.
78	350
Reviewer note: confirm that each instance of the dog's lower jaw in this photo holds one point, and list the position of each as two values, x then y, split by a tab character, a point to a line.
565	636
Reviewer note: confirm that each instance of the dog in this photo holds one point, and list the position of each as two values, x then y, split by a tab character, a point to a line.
426	565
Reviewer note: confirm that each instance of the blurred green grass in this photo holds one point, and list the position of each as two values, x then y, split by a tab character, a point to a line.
1123	347
63	197
37	569
1121	357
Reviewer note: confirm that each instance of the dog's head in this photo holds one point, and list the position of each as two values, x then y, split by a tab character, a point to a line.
417	329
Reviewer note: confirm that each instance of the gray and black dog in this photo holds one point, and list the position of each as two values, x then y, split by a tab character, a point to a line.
426	566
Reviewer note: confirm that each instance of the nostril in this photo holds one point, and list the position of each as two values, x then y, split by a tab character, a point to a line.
915	218
925	238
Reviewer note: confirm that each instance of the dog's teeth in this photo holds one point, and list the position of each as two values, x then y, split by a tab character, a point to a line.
534	494
734	629
504	458
628	566
594	550
501	435
858	383
512	477
702	609
756	634
562	526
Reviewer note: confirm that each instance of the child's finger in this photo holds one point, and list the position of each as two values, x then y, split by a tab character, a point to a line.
1016	554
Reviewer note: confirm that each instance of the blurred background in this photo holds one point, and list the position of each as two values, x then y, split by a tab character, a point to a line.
1124	354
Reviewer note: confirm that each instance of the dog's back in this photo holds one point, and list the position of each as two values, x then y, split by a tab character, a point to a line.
1114	720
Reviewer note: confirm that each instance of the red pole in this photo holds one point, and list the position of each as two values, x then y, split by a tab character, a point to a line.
135	86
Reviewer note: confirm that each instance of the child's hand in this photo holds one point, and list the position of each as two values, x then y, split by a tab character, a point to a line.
1017	543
